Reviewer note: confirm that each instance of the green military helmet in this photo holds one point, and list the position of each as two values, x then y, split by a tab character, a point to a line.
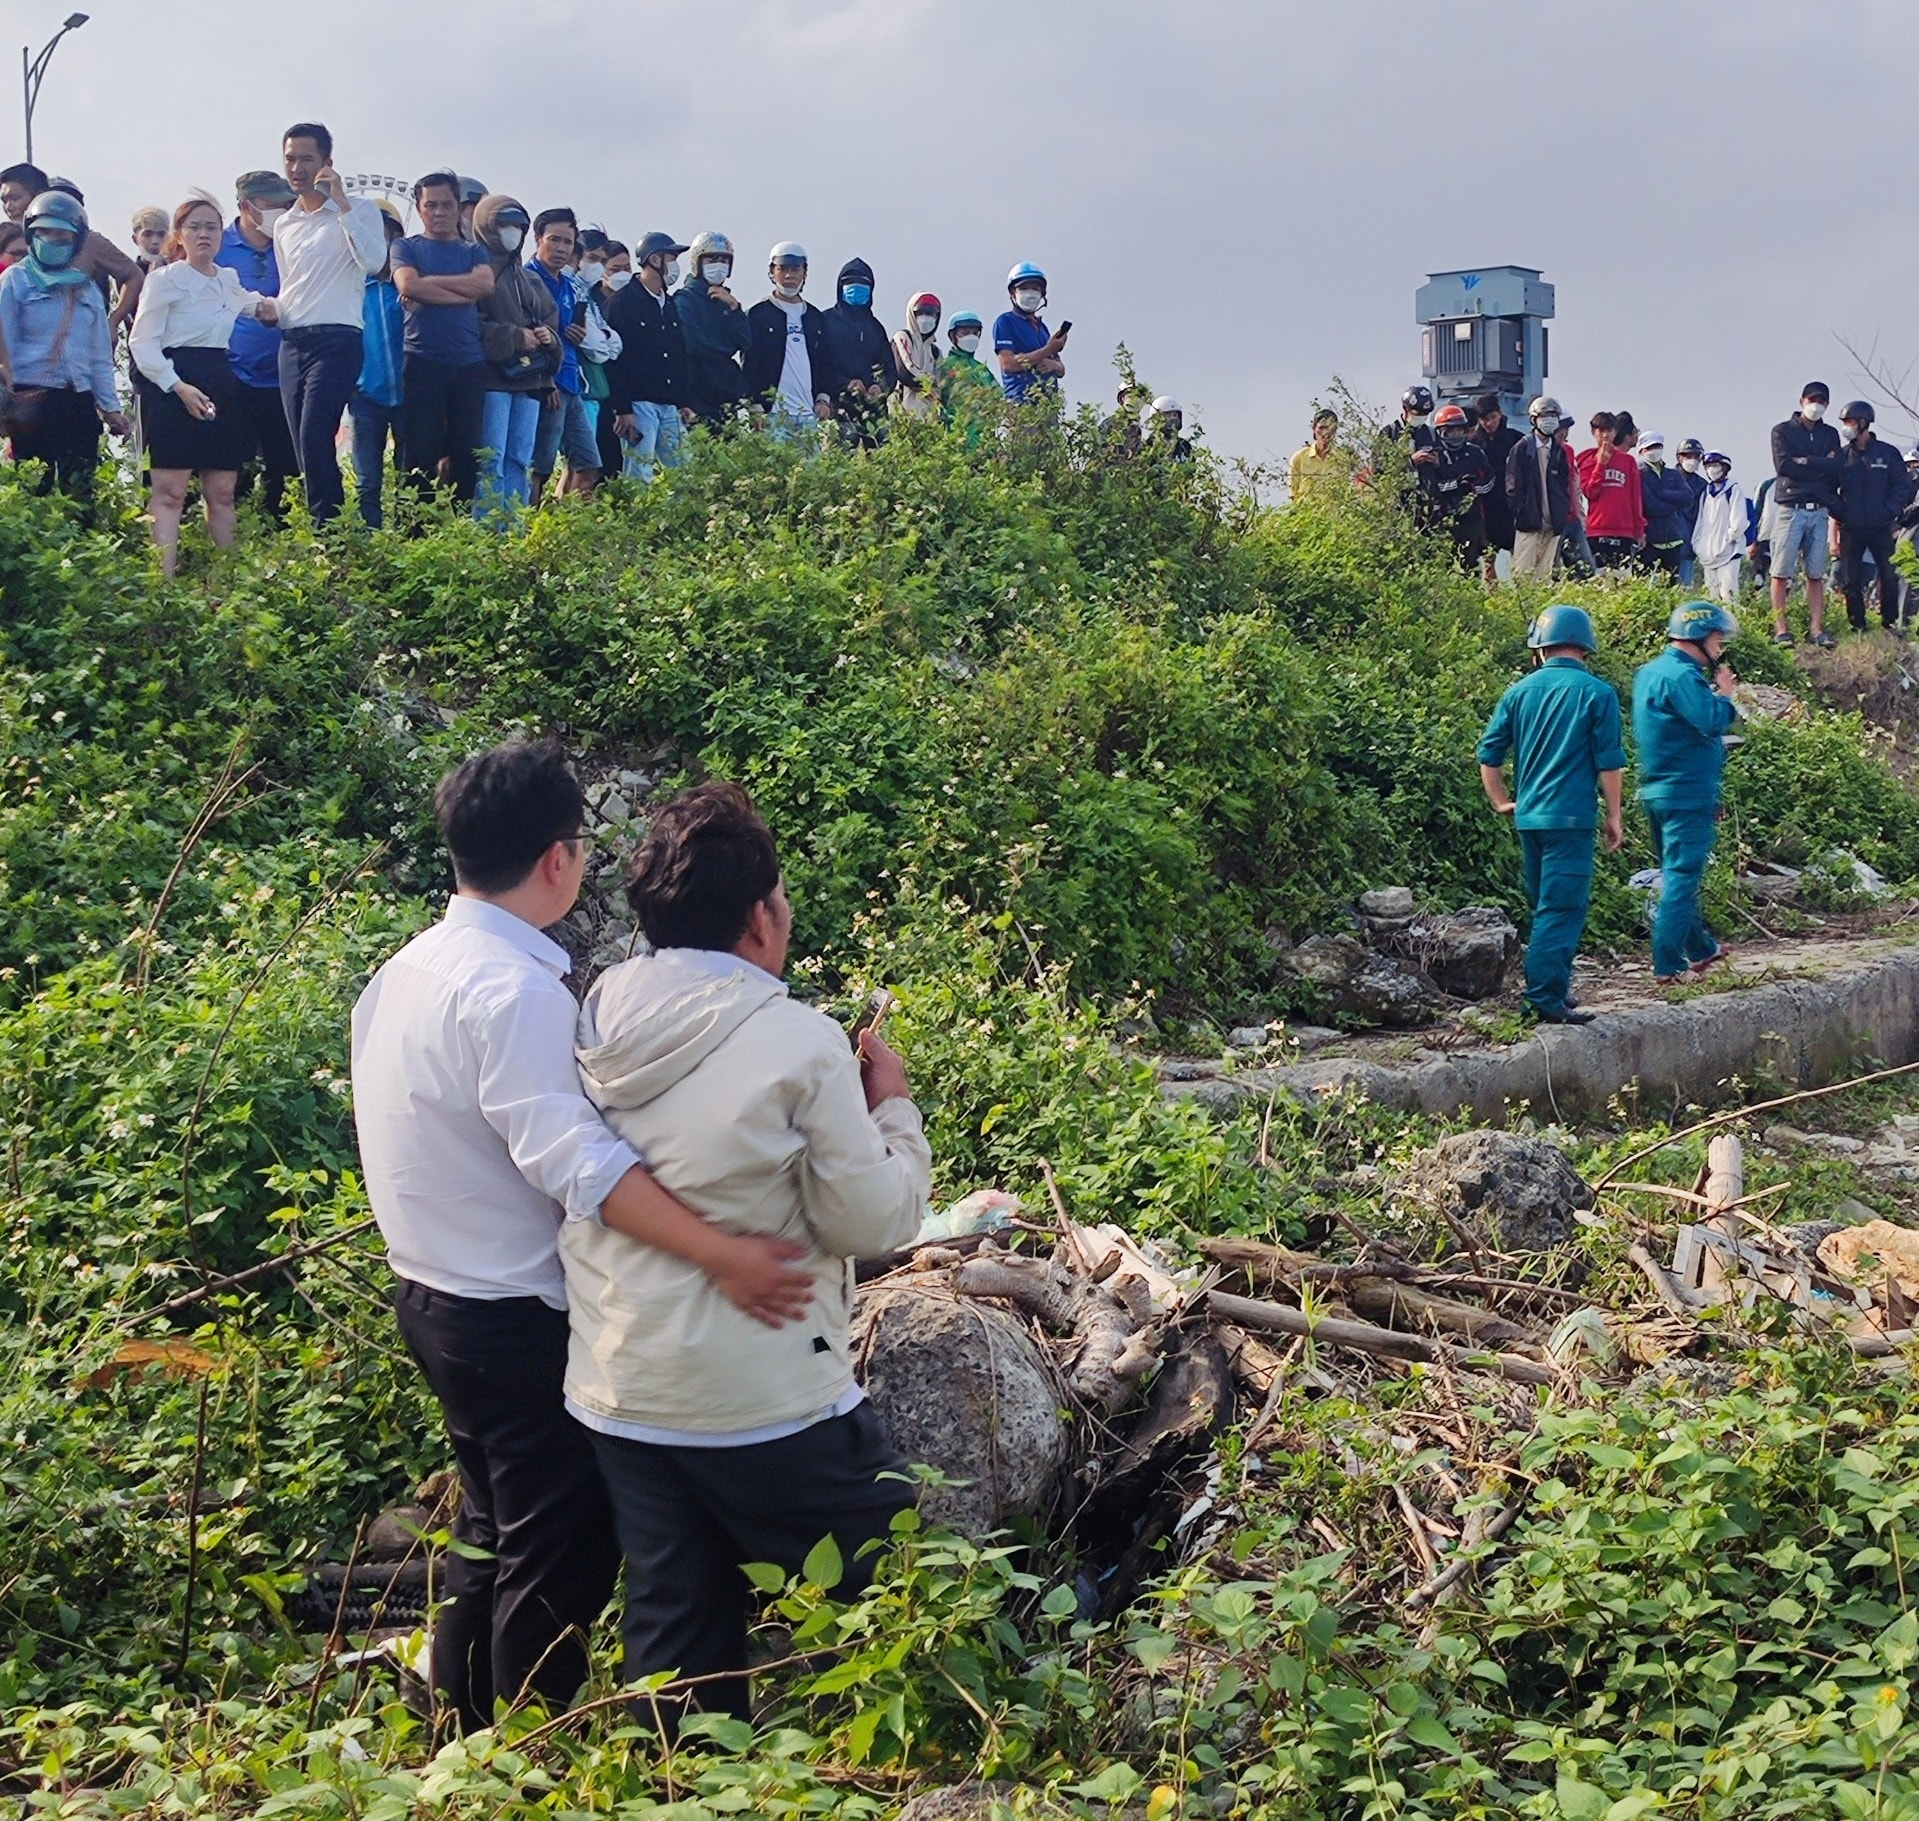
1562	625
1695	620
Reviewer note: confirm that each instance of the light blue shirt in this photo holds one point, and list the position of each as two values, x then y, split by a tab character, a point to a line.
57	338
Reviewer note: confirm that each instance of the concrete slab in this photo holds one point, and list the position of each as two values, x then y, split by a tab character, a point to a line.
1797	1014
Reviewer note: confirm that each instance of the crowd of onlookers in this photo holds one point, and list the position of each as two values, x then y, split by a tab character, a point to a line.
1619	506
493	354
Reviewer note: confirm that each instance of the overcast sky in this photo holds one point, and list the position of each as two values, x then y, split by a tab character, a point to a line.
1245	192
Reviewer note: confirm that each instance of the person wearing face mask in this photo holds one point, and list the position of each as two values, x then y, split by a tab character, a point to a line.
1806	460
857	368
785	361
1413	428
716	330
648	381
916	352
1873	489
968	389
1723	530
1668	502
246	249
1028	352
1690	460
616	261
1453	487
1537	486
1496	440
58	351
520	343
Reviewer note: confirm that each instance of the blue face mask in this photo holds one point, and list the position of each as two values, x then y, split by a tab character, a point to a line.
55	255
858	295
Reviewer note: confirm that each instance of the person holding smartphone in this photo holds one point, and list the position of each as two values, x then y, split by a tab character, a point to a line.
1029	352
325	245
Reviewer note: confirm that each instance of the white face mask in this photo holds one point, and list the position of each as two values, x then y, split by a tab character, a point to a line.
672	273
1546	425
618	281
592	273
926	324
1715	474
268	217
1687	465
510	239
966	343
1811	410
1032	302
716	271
790	287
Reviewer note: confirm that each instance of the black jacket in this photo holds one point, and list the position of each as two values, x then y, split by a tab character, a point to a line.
1453	489
1806	459
853	346
652	365
1529	509
1874	487
716	337
766	350
1497	450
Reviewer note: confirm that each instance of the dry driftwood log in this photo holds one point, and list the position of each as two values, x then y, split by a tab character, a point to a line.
1363	1337
1110	1324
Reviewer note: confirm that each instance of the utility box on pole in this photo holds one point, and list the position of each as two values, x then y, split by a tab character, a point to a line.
1484	330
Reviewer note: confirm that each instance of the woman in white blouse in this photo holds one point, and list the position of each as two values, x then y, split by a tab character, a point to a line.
190	409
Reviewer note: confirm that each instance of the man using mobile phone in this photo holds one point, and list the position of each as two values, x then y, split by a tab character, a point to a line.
1029	353
325	245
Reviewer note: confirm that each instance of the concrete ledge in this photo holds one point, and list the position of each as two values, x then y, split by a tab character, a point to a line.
1801	1032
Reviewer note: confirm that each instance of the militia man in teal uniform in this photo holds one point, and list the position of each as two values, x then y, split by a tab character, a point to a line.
1561	729
1681	709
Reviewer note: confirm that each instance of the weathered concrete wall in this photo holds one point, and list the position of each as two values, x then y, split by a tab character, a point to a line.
1802	1032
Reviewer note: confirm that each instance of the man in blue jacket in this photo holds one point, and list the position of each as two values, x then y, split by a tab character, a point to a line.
1681	708
1670	506
1560	726
253	351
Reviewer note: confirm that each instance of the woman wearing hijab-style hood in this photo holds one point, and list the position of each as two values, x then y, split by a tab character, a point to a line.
858	371
916	352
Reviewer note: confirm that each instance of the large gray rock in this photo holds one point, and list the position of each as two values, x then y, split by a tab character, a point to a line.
1390	904
960	1385
1363	987
1467	953
1519	1193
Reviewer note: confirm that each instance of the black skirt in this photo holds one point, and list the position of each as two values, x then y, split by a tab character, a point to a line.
175	440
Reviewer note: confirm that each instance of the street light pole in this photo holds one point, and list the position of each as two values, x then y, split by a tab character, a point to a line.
33	71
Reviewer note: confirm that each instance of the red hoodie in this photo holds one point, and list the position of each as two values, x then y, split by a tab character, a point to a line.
1613	507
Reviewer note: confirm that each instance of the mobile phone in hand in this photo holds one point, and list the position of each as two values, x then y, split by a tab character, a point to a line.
1065	329
872	1015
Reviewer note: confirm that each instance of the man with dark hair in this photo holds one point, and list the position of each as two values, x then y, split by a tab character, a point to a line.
566	421
326	245
442	278
1872	490
19	185
478	1147
724	1443
1496	440
253	349
1806	464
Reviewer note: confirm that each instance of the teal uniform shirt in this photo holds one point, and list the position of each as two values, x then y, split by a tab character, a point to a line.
1560	726
1677	720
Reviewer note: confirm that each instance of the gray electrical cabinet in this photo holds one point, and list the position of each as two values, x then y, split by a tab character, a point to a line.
1484	330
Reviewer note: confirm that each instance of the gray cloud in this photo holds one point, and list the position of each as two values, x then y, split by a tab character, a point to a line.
1246	192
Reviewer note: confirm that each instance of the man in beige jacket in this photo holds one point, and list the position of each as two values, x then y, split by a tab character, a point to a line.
723	1441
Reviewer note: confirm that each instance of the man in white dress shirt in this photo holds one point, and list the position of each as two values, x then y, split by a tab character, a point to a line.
477	1144
326	245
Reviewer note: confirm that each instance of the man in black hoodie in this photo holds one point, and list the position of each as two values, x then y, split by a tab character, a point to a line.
646	385
857	370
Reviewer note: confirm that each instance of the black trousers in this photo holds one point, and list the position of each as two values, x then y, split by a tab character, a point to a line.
60	427
1855	542
517	1618
319	367
271	460
688	1517
440	416
1615	553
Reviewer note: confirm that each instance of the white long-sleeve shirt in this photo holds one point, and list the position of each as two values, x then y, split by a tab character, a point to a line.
1719	532
475	1138
324	256
182	308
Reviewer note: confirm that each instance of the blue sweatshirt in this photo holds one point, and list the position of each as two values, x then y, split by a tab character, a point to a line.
1677	720
1561	727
